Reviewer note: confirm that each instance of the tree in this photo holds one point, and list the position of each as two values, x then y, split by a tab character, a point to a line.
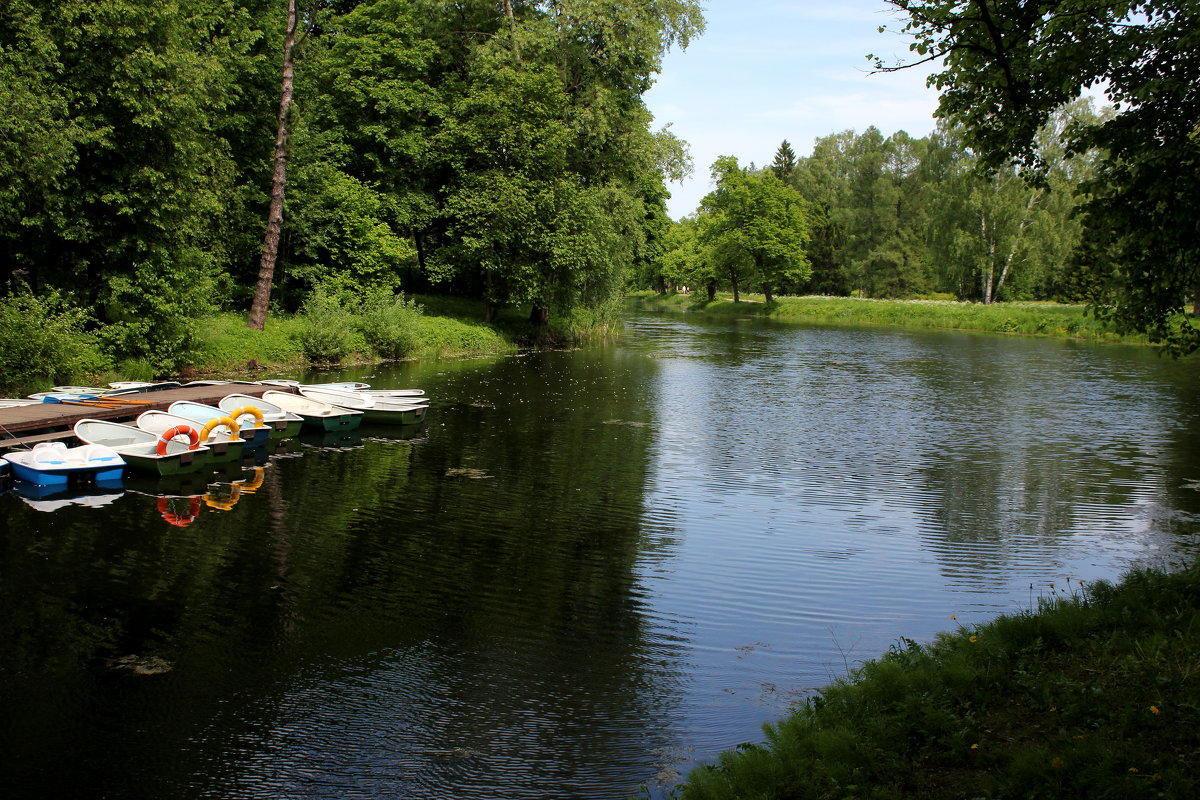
554	176
1009	64
125	109
756	228
785	161
266	268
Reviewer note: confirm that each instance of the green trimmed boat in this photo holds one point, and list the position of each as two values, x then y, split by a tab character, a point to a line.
316	414
157	454
376	410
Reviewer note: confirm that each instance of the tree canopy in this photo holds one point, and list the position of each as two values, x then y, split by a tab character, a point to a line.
1008	65
494	150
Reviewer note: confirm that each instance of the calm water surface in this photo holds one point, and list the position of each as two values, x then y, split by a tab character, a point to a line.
588	572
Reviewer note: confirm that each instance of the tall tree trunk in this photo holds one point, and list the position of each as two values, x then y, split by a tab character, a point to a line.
767	292
539	315
512	30
989	268
737	298
266	266
711	286
1012	251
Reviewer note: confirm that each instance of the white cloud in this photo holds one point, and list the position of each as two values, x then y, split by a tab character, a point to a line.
766	71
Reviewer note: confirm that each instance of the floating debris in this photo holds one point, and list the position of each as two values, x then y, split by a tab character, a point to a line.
141	665
467	472
627	423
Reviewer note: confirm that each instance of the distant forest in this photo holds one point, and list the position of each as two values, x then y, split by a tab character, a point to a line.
899	217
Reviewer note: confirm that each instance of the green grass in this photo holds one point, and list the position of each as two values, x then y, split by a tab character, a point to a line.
449	327
1026	318
226	345
1096	694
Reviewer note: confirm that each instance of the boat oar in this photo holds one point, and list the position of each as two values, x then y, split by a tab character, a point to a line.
91	403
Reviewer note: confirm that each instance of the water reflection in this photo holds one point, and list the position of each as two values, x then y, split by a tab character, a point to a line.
585	572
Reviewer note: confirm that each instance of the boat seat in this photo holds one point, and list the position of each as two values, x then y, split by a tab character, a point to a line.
48	453
98	453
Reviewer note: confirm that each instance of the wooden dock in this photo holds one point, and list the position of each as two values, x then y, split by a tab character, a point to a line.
22	426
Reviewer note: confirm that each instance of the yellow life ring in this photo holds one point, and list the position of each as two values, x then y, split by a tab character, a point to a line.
217	422
224	503
251	410
260	474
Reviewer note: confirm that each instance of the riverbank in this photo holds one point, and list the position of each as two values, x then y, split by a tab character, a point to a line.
1095	694
49	347
1029	319
226	346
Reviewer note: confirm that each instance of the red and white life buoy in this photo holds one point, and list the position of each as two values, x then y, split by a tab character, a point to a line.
178	430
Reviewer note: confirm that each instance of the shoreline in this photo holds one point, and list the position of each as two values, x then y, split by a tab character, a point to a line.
1035	319
1092	694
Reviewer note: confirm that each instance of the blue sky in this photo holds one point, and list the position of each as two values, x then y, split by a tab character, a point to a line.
769	70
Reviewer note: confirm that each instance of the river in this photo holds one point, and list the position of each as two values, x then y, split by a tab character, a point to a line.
589	571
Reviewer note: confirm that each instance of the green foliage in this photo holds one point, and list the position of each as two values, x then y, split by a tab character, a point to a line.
755	228
1094	694
327	331
343	235
509	159
43	341
1010	66
390	324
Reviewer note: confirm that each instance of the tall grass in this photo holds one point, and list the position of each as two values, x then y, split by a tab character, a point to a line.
1095	694
1031	319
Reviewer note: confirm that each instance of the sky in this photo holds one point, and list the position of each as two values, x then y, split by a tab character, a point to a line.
769	70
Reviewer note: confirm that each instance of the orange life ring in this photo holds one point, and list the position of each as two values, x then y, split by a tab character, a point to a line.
178	430
179	520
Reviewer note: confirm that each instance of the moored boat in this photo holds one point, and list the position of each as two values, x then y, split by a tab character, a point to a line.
382	411
157	454
219	435
55	464
248	419
342	385
282	424
316	414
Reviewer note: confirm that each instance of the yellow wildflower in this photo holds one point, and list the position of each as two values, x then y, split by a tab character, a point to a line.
1154	710
1134	769
973	639
975	747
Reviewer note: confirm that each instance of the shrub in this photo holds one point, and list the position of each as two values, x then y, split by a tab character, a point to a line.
390	324
43	341
326	333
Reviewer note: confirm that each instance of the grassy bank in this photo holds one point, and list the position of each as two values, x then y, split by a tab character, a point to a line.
45	345
1031	319
226	345
1094	695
